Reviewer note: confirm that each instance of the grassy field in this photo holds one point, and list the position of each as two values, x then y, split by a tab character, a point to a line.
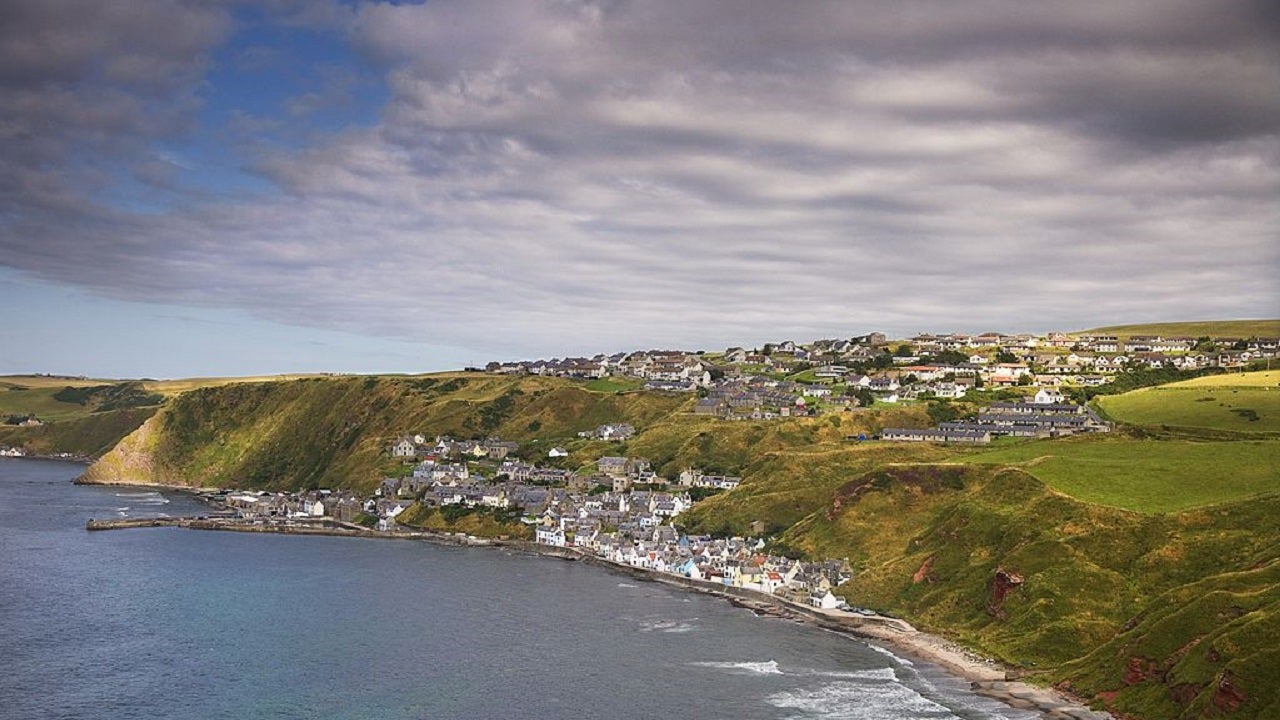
1148	476
173	387
1211	328
38	401
47	381
615	384
1248	402
1261	378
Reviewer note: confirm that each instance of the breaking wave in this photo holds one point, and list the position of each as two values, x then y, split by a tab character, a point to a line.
668	626
878	674
768	667
145	498
897	658
858	701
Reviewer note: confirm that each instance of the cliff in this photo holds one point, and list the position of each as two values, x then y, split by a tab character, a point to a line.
334	432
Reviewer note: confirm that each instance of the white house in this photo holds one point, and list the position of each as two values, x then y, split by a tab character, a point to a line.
825	601
1049	396
550	536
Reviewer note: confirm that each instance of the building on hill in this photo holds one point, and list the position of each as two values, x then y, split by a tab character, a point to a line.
1048	396
404	448
936	435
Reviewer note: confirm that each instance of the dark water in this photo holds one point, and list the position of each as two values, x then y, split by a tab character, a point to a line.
171	623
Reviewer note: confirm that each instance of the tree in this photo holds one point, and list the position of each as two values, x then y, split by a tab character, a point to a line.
1004	356
941	411
950	357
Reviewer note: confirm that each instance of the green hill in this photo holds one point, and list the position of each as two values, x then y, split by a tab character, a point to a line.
1147	475
78	416
1070	591
1136	567
1210	328
1241	403
334	432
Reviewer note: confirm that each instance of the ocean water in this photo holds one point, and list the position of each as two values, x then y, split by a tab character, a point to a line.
172	623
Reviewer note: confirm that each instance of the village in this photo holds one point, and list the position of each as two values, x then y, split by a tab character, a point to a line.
622	513
786	379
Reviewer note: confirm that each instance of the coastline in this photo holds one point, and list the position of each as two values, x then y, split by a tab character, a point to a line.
986	677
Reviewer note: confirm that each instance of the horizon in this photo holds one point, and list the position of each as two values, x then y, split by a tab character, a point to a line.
890	339
402	188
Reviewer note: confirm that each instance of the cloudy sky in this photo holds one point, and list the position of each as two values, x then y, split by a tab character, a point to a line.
196	188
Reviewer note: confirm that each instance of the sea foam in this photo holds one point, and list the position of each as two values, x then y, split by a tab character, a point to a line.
768	667
858	701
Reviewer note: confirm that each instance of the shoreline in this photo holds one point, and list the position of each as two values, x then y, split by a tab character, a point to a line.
986	677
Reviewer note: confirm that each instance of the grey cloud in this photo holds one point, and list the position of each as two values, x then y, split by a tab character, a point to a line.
574	177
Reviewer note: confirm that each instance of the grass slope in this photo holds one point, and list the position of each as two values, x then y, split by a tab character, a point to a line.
80	417
90	435
926	542
1211	328
1148	476
52	402
1245	403
334	432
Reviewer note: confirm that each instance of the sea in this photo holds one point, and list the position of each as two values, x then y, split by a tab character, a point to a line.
175	623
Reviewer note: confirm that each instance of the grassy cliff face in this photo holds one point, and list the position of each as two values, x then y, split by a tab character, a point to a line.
1068	590
334	432
80	417
88	435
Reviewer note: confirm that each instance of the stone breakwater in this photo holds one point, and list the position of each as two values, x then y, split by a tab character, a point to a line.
986	677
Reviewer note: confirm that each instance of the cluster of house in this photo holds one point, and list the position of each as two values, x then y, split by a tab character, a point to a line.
734	562
757	397
622	513
410	446
610	431
6	451
1046	415
749	384
666	369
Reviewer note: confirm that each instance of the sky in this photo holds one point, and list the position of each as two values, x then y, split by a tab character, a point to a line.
223	188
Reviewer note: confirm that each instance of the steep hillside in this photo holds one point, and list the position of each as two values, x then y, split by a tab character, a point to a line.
78	416
333	432
88	435
1067	590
